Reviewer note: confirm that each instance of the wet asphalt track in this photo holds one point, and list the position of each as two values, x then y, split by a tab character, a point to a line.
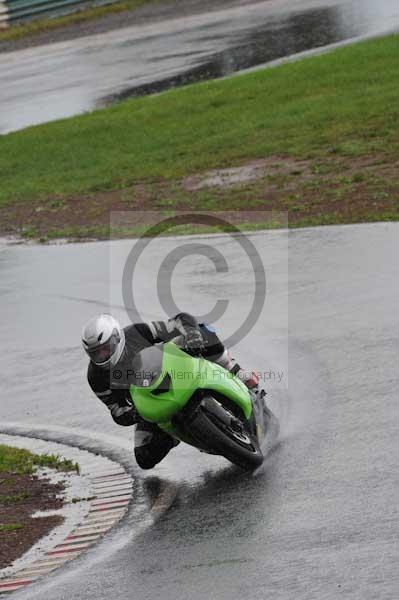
320	520
70	77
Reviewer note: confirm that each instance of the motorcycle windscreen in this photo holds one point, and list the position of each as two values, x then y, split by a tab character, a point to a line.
164	382
147	367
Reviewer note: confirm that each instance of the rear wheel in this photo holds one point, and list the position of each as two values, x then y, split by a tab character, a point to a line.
224	432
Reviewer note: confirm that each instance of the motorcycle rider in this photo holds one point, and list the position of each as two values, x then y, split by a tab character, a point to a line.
111	350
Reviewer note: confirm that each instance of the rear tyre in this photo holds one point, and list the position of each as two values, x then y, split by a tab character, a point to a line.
224	432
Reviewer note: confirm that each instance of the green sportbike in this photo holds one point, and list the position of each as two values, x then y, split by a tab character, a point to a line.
198	402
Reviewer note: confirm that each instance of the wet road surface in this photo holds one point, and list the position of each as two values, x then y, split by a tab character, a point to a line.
67	78
320	520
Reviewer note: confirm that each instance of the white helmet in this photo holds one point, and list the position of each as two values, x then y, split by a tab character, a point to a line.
104	340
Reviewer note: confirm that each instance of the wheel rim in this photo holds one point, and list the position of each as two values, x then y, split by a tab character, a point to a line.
239	435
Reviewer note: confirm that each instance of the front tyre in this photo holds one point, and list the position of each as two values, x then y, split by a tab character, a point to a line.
224	433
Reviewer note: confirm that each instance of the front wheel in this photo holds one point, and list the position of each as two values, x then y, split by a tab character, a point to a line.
225	433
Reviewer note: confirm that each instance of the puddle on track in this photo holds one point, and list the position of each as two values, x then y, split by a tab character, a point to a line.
55	81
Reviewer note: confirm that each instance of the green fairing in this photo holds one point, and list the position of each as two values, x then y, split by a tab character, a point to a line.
187	374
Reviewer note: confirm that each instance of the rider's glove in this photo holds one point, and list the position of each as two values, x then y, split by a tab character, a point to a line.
193	340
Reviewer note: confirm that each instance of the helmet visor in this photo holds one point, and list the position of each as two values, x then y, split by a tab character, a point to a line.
102	354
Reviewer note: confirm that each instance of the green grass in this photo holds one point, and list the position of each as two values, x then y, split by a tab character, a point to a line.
345	103
16	32
10	527
276	221
15	460
14	498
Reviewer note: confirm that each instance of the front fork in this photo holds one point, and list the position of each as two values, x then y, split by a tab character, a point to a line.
258	415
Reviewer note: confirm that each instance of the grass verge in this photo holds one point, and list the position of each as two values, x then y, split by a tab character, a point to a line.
22	494
23	462
327	129
10	527
16	32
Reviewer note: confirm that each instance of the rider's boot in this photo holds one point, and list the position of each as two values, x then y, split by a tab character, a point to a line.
250	378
